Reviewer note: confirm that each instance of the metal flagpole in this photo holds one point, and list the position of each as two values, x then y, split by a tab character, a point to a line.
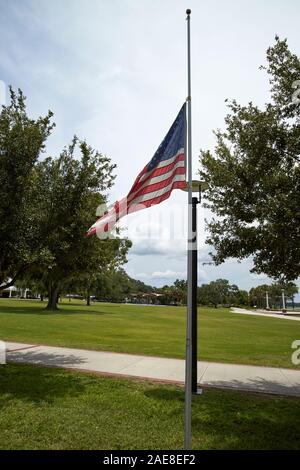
188	359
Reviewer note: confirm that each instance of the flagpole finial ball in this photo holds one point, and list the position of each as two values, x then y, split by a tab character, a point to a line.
188	11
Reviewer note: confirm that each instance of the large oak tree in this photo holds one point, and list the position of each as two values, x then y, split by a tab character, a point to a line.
254	176
67	191
22	140
46	206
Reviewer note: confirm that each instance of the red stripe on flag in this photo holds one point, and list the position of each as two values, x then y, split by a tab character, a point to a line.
161	184
158	199
155	172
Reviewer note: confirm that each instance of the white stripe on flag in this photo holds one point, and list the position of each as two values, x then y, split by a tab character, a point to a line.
162	164
158	179
159	192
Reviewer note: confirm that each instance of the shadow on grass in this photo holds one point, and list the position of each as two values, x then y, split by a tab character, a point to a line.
165	394
35	384
64	309
258	385
221	419
47	359
236	420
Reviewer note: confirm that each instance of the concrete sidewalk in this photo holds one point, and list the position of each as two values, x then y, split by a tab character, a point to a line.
265	313
240	377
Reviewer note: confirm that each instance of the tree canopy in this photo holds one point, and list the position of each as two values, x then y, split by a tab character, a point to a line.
254	176
221	292
22	141
257	295
48	205
67	191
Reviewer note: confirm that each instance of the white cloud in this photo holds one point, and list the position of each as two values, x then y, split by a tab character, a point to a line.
137	275
259	277
168	274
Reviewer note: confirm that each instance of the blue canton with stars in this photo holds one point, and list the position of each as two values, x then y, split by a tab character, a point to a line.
172	143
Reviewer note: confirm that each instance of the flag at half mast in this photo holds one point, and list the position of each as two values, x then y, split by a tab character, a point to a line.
165	171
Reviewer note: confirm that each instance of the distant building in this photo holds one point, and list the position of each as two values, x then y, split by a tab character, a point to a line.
11	291
149	298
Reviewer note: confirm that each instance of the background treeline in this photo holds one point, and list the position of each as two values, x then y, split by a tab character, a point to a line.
222	293
257	295
116	285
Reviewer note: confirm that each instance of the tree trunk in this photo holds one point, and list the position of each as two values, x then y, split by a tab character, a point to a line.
42	297
88	299
52	298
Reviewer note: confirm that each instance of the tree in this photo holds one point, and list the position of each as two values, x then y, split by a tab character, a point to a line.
220	292
175	294
254	176
181	288
242	297
115	285
67	191
289	288
22	140
257	295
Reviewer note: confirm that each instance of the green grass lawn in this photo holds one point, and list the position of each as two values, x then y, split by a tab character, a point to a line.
159	331
44	408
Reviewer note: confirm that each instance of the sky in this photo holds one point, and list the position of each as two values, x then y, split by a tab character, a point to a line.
114	73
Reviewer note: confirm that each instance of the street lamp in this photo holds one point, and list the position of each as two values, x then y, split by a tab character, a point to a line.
267	301
283	300
197	187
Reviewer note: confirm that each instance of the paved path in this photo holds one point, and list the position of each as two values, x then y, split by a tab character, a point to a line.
241	377
264	313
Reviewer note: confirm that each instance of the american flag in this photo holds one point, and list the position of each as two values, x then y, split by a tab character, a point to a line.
165	171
